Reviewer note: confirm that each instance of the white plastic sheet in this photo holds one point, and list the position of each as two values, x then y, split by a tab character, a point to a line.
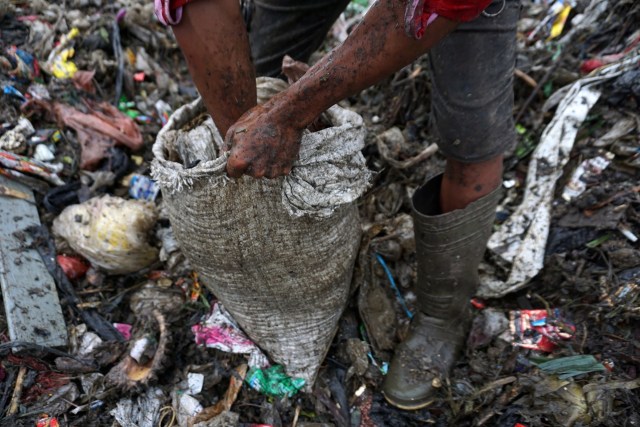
519	245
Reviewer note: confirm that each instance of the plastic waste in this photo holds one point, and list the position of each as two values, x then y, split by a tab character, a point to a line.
12	91
124	329
15	140
47	421
99	130
220	331
46	171
58	63
61	66
519	244
143	188
186	407
83	80
110	232
195	381
539	330
571	366
73	267
273	381
43	153
585	172
163	110
141	411
19	64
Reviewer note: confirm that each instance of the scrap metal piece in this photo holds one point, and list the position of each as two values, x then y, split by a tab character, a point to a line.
29	293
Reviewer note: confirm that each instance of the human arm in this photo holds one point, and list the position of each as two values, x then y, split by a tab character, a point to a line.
265	141
214	41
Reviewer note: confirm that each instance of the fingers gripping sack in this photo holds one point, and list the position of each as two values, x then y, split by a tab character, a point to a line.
278	253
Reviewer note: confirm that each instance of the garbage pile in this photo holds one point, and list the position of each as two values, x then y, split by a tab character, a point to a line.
130	336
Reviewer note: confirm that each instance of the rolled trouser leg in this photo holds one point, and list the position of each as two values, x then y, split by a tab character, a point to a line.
288	27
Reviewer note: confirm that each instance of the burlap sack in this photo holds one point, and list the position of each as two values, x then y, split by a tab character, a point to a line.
278	253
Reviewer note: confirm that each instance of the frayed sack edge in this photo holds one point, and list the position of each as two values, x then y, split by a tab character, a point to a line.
174	178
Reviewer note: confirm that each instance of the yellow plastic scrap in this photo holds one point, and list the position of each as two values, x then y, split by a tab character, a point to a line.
61	67
560	22
59	63
72	34
131	56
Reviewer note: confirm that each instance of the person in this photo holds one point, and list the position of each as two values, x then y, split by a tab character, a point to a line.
472	50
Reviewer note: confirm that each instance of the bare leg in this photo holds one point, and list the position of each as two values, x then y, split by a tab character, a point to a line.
464	183
214	41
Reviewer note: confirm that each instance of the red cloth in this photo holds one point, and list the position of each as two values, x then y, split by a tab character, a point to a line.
420	13
457	10
174	4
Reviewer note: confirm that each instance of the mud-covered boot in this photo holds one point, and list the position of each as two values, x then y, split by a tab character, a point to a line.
449	248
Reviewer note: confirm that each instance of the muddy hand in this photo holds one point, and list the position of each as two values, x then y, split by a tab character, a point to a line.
262	143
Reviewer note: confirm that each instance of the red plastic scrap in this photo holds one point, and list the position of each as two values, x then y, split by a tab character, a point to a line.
478	303
590	65
28	361
536	330
47	421
45	383
124	329
74	267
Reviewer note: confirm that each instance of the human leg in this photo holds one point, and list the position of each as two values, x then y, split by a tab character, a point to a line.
472	102
463	183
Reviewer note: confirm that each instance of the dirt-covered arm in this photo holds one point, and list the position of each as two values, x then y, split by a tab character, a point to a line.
215	44
375	49
265	141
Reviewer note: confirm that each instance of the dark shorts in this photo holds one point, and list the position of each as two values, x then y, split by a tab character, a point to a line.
471	69
472	85
287	27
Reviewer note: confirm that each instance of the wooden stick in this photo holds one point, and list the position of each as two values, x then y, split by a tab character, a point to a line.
525	78
17	391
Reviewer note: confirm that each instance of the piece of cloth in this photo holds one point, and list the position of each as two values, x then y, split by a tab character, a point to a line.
472	85
169	12
417	18
420	13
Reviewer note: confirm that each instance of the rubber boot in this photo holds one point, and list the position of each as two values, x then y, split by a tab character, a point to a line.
449	248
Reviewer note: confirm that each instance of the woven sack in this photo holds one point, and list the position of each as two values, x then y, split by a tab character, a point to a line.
278	253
